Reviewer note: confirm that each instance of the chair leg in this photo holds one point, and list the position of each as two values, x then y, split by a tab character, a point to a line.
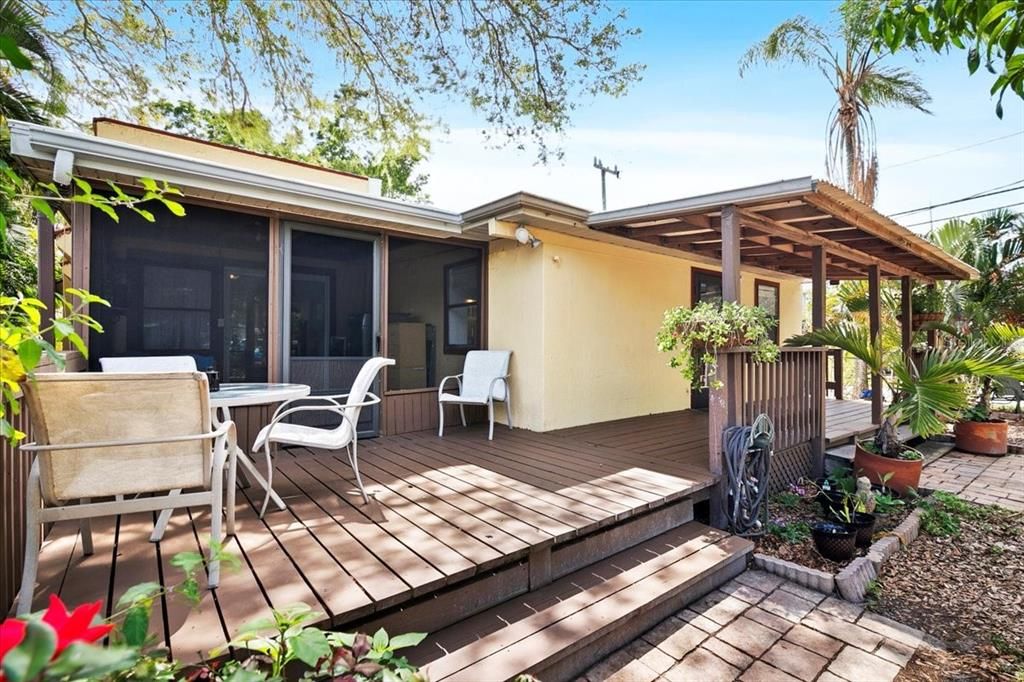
216	511
270	478
85	528
232	485
508	406
353	460
440	419
490	419
462	413
33	542
162	520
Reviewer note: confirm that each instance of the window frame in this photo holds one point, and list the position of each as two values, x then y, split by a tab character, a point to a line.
758	283
453	349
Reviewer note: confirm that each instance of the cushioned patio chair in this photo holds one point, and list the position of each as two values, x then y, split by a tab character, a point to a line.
483	381
112	435
343	436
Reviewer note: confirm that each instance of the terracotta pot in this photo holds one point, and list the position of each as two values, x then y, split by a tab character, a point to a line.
917	319
982	438
906	473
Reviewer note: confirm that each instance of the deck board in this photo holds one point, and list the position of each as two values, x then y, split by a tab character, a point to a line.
443	511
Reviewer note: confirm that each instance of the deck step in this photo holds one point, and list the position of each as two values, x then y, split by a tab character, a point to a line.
557	631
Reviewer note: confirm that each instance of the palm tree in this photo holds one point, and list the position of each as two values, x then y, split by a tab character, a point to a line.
927	393
21	50
844	56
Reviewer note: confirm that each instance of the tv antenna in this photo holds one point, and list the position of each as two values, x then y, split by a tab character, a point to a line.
605	170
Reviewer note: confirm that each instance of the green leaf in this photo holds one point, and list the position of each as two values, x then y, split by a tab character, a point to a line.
83	185
28	659
135	628
149	184
78	343
12	53
146	215
29	352
174	207
309	646
189	562
973	60
138	593
407	640
997	10
82	661
44	208
380	639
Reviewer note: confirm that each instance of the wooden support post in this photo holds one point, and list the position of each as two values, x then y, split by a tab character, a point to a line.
45	290
875	320
731	237
837	368
933	336
906	313
724	410
818	287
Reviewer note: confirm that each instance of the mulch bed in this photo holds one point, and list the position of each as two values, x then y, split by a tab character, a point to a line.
804	553
964	590
1016	430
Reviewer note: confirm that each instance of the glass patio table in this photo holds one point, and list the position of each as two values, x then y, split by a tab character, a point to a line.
244	395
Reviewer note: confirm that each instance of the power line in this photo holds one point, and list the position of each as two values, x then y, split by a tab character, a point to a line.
964	215
979	195
952	151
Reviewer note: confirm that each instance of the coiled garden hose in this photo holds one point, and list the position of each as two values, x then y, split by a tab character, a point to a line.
747	451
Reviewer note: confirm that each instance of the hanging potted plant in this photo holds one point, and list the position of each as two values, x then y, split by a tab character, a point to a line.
926	306
927	394
694	336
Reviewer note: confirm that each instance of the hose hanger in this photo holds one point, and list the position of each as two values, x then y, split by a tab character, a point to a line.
747	451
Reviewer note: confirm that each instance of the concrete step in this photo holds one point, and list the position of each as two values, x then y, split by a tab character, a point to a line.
557	631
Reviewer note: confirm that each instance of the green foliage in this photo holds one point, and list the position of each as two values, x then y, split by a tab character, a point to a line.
926	299
788	500
926	395
709	327
523	66
22	50
843	54
885	503
794	532
989	30
942	513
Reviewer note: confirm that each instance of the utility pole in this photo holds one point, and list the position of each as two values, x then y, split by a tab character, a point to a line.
604	171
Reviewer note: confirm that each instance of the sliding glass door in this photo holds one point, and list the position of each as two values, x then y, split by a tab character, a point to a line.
331	303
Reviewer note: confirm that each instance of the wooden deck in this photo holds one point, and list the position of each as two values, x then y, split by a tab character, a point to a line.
443	512
846	419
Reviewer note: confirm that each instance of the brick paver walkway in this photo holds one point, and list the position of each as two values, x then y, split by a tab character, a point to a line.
761	628
987	480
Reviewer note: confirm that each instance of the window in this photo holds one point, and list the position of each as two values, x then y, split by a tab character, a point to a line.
195	285
766	296
434	309
706	285
462	306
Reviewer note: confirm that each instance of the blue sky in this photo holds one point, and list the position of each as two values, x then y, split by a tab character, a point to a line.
692	125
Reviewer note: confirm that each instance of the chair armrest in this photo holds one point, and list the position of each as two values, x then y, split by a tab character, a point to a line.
309	398
222	431
440	387
494	381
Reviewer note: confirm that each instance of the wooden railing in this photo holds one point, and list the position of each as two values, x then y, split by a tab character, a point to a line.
790	391
834	373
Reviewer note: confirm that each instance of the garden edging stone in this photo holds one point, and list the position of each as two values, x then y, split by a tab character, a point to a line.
851	582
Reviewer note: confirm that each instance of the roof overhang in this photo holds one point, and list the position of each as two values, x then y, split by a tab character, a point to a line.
781	224
97	158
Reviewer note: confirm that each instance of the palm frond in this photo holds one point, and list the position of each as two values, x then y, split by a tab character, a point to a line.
853	338
886	86
1003	334
796	40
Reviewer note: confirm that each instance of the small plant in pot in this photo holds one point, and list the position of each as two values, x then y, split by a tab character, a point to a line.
977	431
926	306
855	513
694	336
926	395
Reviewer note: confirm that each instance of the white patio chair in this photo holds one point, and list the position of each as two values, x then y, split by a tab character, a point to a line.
149	363
109	435
483	381
344	435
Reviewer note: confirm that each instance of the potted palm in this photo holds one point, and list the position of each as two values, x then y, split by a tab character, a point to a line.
927	395
695	335
977	431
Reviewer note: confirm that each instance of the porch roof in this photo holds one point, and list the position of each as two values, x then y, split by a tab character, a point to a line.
781	224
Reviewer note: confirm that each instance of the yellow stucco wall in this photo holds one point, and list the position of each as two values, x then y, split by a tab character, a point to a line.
580	317
155	139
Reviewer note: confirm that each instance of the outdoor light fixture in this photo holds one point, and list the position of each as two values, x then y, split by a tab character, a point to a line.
524	237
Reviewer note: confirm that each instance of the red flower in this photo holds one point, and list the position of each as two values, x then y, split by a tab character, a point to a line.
75	626
11	633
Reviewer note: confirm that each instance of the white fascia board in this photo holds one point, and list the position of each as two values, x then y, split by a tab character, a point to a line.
42	143
774	190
